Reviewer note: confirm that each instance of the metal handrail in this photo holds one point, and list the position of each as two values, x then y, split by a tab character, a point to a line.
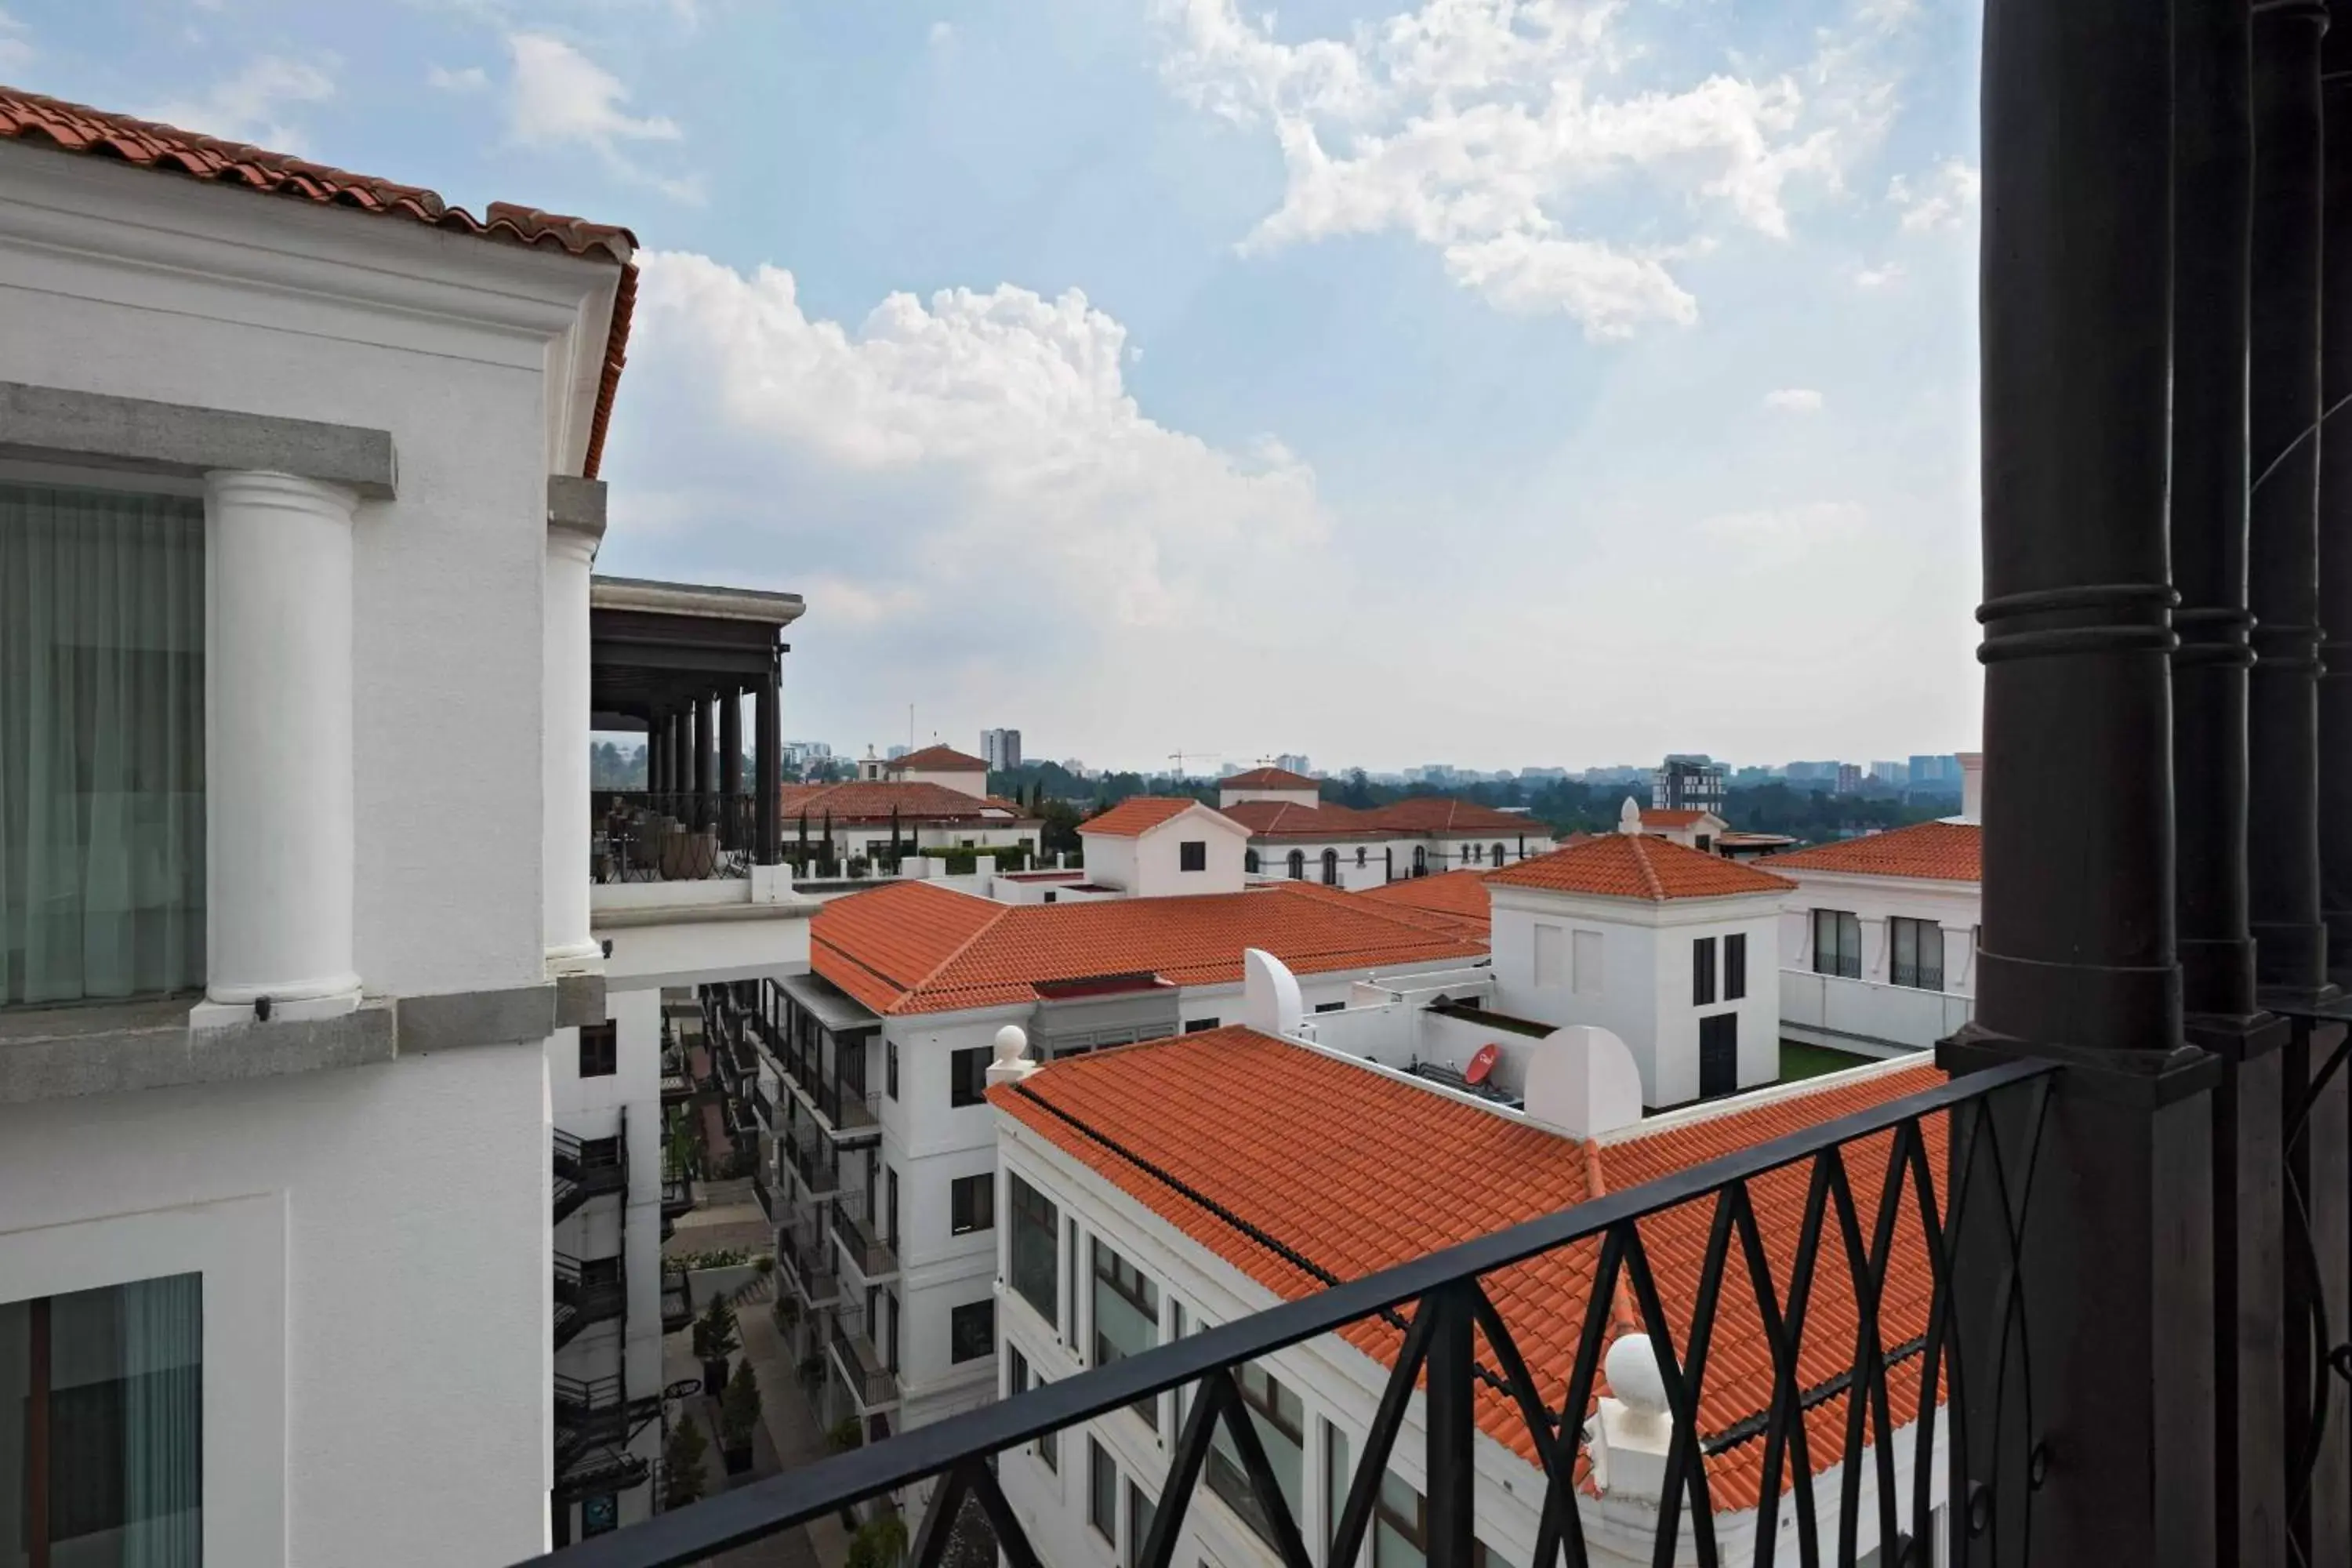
1449	1312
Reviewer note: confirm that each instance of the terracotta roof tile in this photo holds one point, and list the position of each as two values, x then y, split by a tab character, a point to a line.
863	800
38	120
1351	1173
1287	819
1444	814
939	759
1460	895
1940	851
1139	814
1634	865
913	947
1268	778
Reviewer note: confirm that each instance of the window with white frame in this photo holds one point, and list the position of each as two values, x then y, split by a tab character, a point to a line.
1917	955
1126	1317
1837	943
1279	1420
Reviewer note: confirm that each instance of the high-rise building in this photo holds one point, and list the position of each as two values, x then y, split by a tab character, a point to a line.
1001	748
1293	761
1891	772
1849	778
1689	783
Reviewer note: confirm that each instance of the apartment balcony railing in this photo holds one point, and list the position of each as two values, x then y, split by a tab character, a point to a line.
677	1196
811	1158
677	1300
807	1258
861	1241
593	1414
764	1193
1456	1347
586	1170
865	1372
639	837
586	1294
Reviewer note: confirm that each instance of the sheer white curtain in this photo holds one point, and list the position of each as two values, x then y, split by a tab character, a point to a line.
101	744
162	1423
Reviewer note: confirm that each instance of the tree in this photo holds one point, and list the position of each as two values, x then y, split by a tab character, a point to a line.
1060	833
682	1457
880	1542
739	1407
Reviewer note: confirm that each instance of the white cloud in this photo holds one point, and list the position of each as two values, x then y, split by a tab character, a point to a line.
942	34
253	105
1878	277
1793	400
1784	529
1942	198
1040	480
15	44
1485	129
562	99
466	78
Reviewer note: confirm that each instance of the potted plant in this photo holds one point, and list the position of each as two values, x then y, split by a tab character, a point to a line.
682	1478
880	1542
739	1416
846	1435
785	1314
714	1337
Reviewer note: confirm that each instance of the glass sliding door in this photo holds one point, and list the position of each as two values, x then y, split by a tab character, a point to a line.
105	1468
101	744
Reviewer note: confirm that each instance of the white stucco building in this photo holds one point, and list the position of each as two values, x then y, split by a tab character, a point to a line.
1155	847
1673	950
1880	938
1157	1191
889	1242
296	516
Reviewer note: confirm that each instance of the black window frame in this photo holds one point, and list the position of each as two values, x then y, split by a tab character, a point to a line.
959	1344
1102	1493
1198	1025
1191	855
1703	971
1915	974
1838	958
599	1049
968	1077
890	1068
971	1203
1030	1210
1735	967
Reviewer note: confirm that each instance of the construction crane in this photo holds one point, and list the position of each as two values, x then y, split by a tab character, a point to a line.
1178	758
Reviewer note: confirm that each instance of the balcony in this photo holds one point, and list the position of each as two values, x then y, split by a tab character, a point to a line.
641	837
677	1300
810	1157
587	1169
586	1294
677	1197
764	1195
871	1384
593	1420
807	1258
870	1257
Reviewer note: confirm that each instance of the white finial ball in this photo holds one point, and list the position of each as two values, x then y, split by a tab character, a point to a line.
1629	816
1632	1367
1011	1045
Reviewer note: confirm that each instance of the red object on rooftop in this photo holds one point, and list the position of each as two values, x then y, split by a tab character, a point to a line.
1482	1064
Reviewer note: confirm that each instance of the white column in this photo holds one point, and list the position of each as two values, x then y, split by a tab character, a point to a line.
278	844
565	772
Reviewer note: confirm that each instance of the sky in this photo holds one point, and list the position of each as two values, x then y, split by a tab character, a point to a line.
1500	382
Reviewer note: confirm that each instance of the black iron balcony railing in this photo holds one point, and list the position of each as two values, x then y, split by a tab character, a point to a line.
865	1372
677	1300
810	1156
807	1258
588	1293
868	1251
587	1169
677	1196
640	836
764	1193
1455	1343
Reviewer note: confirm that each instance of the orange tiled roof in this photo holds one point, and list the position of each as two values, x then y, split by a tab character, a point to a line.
1139	814
913	947
1940	851
1268	778
940	760
1654	818
1635	866
865	800
36	119
1287	819
1459	894
1353	1172
1444	814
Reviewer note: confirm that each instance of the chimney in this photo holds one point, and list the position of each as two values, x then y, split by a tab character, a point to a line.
1972	786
